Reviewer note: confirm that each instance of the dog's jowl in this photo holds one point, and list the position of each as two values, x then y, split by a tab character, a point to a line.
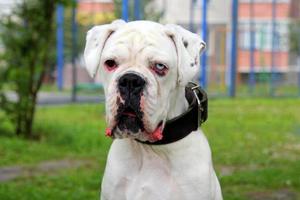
153	112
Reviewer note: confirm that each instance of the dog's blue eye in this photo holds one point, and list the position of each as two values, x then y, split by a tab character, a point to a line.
160	66
160	69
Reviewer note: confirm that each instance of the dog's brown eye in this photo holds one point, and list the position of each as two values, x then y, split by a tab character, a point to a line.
160	69
110	64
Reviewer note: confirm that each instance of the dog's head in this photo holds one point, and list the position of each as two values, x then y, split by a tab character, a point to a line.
143	66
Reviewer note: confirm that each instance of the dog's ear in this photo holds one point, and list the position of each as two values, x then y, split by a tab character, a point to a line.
189	47
95	41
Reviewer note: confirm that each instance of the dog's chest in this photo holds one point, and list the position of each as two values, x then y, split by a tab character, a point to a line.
145	178
134	173
152	183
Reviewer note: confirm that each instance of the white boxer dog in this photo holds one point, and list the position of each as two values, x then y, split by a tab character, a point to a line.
145	68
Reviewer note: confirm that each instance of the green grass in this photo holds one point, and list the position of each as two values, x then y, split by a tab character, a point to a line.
79	184
259	90
255	145
259	140
74	131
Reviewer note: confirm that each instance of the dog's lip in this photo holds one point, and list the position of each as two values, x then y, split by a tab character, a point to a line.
129	112
157	134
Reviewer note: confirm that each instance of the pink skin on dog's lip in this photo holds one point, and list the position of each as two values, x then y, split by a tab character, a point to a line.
108	132
157	134
154	136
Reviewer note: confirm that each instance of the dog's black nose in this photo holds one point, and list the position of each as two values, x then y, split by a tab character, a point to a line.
131	83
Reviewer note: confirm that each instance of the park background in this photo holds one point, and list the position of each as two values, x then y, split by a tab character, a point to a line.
52	119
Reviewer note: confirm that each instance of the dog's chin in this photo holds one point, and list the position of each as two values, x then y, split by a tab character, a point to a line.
130	123
133	128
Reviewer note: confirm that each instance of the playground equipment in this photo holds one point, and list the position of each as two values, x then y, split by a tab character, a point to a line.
251	81
60	45
203	58
273	67
233	57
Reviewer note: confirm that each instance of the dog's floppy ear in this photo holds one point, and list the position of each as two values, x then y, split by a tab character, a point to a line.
95	41
189	46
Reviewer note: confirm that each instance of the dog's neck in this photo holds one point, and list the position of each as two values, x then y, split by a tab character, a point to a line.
178	103
174	151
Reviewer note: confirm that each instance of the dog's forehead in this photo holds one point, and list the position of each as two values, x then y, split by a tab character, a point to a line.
149	33
145	25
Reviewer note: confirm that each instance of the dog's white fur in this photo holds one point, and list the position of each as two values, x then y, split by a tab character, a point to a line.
135	171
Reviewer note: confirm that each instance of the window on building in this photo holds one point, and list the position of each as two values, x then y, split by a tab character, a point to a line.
263	36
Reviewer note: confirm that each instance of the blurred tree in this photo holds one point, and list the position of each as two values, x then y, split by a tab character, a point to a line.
28	40
149	11
5	119
294	37
81	35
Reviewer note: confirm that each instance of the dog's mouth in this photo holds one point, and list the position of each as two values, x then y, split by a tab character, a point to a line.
129	123
129	119
129	112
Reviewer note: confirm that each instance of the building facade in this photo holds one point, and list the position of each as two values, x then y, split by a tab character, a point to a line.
91	12
258	14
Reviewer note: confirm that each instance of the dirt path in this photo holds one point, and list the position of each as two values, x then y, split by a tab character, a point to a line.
59	98
13	172
283	194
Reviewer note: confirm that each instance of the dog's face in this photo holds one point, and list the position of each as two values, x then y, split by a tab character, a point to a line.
141	66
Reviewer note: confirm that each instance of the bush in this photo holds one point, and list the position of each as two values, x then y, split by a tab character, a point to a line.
27	39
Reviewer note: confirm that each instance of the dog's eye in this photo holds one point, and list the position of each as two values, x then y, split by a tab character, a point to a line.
110	64
160	69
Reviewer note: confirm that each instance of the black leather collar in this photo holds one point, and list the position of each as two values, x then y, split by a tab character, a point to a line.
182	125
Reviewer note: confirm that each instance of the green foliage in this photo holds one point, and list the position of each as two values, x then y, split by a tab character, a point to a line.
118	8
148	12
294	37
27	39
81	35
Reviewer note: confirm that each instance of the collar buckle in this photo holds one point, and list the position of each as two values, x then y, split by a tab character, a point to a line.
201	98
196	95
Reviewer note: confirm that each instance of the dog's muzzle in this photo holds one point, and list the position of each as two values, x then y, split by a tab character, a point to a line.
131	85
129	114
